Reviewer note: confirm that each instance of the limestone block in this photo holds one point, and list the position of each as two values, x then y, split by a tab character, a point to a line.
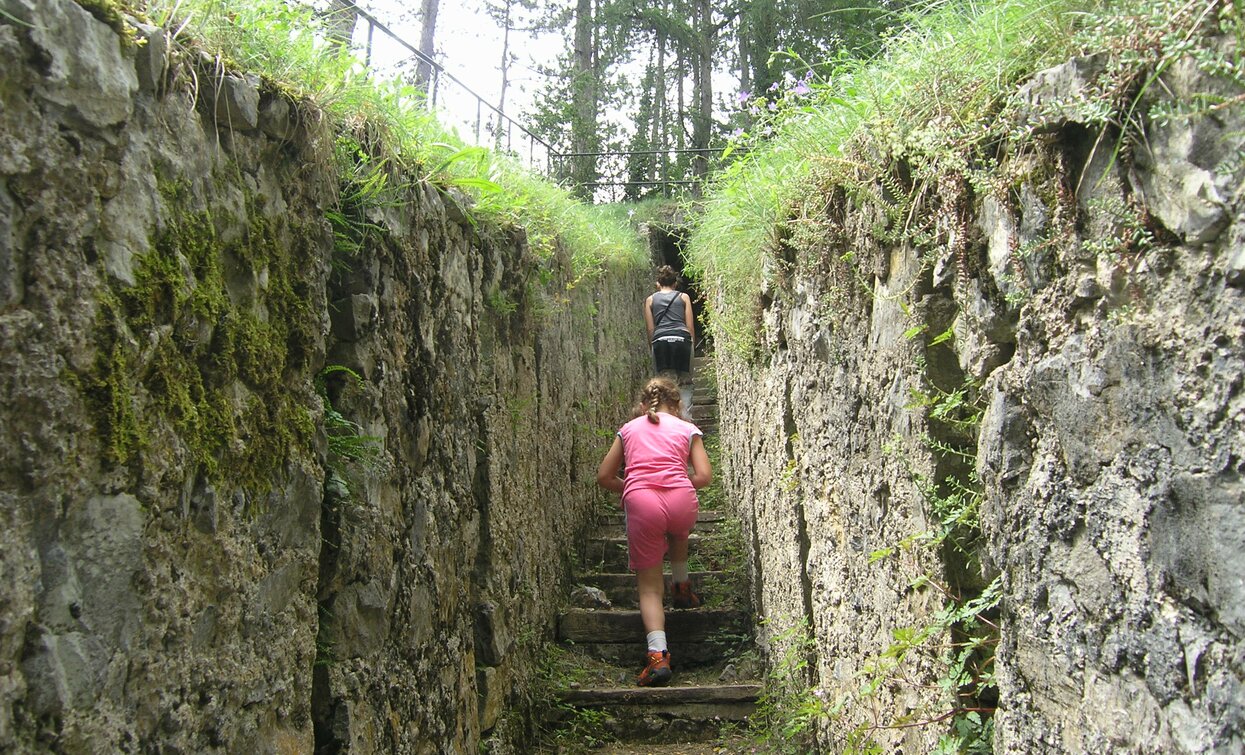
10	273
491	691
64	672
492	638
1059	95
86	74
1189	172
275	117
360	618
236	103
354	316
103	542
127	219
1236	267
152	57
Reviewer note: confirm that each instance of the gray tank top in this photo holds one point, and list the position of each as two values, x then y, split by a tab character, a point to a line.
668	315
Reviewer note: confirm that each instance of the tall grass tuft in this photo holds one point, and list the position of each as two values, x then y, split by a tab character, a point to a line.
391	127
931	91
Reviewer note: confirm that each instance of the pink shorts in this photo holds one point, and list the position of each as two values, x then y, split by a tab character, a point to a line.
652	515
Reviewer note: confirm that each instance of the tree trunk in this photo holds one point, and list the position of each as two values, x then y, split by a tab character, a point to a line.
702	123
505	73
659	133
584	102
427	36
339	21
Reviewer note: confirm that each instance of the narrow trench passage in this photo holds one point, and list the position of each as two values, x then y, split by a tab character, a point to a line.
716	681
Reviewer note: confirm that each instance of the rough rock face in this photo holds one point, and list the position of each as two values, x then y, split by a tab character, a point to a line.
1098	303
1112	452
191	561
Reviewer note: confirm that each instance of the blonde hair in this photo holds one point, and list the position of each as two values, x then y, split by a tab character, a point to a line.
659	393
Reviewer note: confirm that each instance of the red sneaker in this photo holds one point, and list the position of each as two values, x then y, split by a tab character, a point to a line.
657	673
681	595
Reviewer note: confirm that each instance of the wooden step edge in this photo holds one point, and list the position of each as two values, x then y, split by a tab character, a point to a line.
704	517
674	695
618	625
622	576
621	540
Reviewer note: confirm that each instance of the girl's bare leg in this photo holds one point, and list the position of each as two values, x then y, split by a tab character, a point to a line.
652	589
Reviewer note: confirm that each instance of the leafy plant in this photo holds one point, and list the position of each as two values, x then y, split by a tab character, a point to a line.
346	440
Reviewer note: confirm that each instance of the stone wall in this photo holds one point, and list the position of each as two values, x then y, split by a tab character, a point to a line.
261	490
1093	303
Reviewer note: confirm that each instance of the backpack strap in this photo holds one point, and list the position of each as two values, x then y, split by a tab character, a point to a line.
657	320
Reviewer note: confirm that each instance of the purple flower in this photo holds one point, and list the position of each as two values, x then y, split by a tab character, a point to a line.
773	87
743	97
772	105
737	133
754	110
800	88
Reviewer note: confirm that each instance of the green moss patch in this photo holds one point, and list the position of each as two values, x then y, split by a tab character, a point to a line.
174	349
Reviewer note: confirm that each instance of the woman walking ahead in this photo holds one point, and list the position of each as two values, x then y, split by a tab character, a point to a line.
671	325
659	500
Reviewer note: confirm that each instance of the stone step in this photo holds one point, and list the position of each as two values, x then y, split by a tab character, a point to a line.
702	413
705	387
702	517
666	714
620	587
609	554
700	363
618	531
623	626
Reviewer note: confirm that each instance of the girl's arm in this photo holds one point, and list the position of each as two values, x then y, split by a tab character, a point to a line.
607	473
701	474
648	317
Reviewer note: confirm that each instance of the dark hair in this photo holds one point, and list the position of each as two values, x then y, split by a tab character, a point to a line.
659	393
666	276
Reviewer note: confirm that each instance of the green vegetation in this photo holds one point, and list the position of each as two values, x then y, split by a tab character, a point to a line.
393	139
172	348
889	131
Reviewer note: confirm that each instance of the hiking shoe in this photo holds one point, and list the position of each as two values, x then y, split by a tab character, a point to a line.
681	595
657	673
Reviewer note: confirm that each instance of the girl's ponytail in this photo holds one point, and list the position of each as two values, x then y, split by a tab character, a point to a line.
659	393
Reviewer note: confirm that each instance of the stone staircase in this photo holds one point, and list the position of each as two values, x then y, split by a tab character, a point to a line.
713	683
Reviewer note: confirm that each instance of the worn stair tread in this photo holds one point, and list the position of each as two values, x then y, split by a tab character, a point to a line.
583	625
693	654
627	579
703	412
672	695
705	516
617	531
620	539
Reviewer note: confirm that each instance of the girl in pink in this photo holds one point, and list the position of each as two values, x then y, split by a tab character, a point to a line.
659	499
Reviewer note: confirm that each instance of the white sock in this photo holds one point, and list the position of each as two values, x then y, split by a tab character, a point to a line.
678	571
656	641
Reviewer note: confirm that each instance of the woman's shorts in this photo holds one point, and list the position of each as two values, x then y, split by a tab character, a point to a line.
672	354
652	515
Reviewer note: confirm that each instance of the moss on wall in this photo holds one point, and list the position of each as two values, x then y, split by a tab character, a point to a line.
175	348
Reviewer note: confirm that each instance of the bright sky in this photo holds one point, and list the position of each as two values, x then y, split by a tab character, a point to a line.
469	44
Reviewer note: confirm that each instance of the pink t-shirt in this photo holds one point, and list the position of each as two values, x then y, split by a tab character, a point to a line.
656	455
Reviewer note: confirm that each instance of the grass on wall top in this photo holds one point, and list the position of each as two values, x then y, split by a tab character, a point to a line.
285	44
932	98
